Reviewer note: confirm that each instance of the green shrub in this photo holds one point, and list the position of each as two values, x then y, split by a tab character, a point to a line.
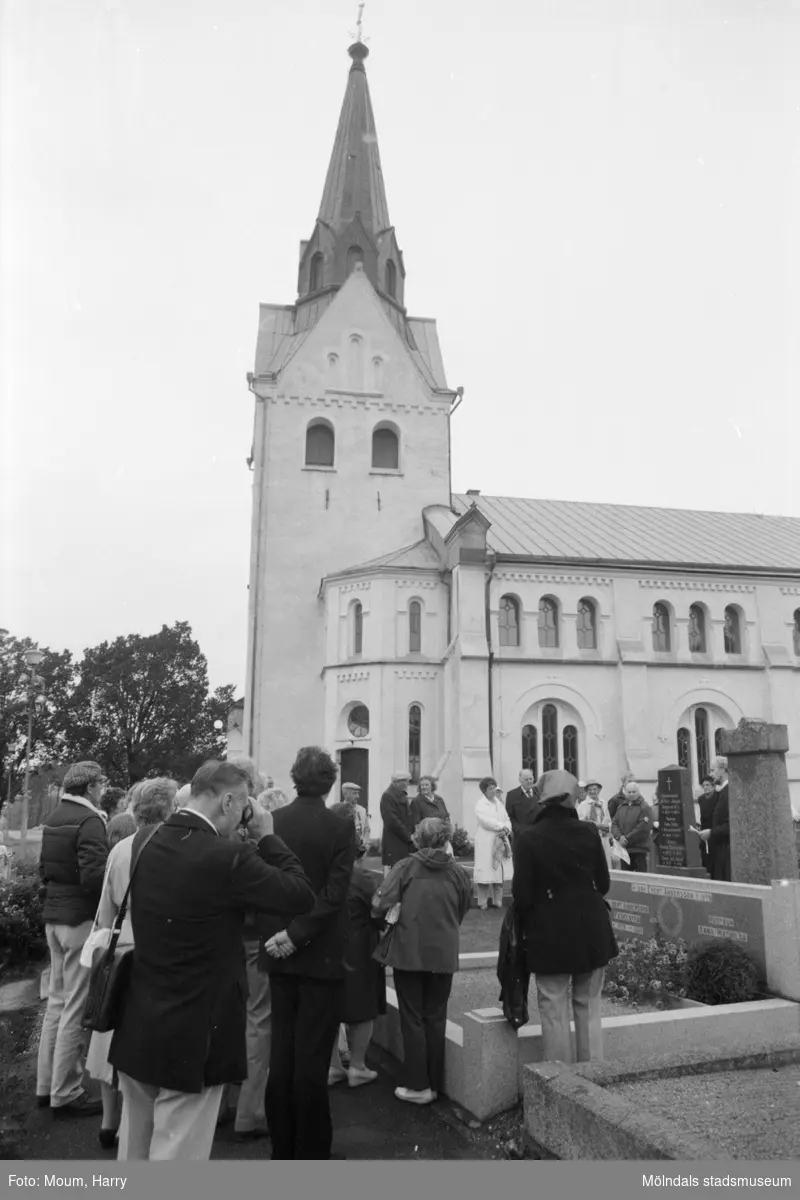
644	971
721	972
463	847
22	936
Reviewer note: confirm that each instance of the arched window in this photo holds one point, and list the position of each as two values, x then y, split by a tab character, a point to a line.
570	739
548	625
732	631
315	272
697	630
549	738
587	625
529	750
796	632
319	445
414	627
717	740
358	627
377	375
385	449
661	637
508	621
684	749
390	278
354	255
414	741
701	741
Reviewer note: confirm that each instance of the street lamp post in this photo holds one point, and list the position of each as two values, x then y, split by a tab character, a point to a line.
34	685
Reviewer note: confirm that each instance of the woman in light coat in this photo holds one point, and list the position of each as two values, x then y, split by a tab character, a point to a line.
492	845
152	803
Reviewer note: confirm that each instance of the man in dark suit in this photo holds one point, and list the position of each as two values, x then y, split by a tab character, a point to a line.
718	836
305	960
522	803
398	823
181	1033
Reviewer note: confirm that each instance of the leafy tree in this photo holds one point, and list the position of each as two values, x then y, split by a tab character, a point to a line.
141	706
49	740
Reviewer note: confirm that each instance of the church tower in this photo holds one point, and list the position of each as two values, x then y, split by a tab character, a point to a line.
351	438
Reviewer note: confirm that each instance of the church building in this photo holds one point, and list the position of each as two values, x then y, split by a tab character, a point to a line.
405	627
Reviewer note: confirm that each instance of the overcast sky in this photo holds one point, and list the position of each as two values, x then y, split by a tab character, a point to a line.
596	199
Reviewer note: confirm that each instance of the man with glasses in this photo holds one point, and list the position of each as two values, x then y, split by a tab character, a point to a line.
72	865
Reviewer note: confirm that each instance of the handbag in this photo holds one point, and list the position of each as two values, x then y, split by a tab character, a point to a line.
111	968
512	970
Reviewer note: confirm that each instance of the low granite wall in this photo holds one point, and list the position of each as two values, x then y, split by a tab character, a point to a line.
485	1059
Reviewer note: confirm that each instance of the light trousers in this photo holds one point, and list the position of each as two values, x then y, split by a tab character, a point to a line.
63	1043
554	1012
158	1123
487	890
250	1106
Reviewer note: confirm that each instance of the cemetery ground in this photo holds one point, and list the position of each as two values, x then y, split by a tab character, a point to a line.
369	1122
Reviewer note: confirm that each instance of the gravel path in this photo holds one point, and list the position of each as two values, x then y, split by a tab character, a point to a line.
751	1115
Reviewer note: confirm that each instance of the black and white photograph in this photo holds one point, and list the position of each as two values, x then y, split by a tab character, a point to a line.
400	593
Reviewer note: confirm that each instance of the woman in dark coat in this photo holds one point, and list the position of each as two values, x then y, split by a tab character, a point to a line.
364	996
426	803
560	879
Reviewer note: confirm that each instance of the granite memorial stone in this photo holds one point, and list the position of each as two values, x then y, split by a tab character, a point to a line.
678	851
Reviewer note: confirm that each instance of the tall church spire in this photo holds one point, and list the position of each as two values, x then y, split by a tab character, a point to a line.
353	222
354	183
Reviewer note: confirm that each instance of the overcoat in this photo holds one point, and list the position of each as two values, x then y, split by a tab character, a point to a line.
560	879
182	1024
491	817
398	826
325	844
365	980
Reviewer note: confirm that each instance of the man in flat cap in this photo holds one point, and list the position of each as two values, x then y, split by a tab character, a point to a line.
72	865
398	824
351	794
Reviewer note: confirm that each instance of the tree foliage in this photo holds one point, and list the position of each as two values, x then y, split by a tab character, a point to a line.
50	739
139	705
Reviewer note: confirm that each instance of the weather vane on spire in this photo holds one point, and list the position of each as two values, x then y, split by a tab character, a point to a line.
359	24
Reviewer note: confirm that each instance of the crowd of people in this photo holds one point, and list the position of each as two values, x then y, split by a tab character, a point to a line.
260	941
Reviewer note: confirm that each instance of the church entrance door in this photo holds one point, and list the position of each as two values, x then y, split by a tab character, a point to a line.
355	769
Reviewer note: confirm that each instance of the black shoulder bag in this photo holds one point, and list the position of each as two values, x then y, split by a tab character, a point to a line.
111	967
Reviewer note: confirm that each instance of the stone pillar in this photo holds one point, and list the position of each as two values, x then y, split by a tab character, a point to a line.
762	832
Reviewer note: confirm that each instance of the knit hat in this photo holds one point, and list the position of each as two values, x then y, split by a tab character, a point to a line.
81	773
592	783
555	785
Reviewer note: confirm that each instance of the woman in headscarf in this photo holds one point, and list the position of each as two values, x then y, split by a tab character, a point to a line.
560	879
364	996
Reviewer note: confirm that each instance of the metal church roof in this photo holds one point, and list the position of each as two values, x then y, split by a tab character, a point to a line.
625	533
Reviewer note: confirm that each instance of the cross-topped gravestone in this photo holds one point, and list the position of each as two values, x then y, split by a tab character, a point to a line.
678	845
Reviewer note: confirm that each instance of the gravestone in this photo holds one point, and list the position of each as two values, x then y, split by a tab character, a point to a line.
678	847
762	830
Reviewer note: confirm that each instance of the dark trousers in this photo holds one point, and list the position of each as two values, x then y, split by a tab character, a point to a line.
422	1002
305	1023
638	863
